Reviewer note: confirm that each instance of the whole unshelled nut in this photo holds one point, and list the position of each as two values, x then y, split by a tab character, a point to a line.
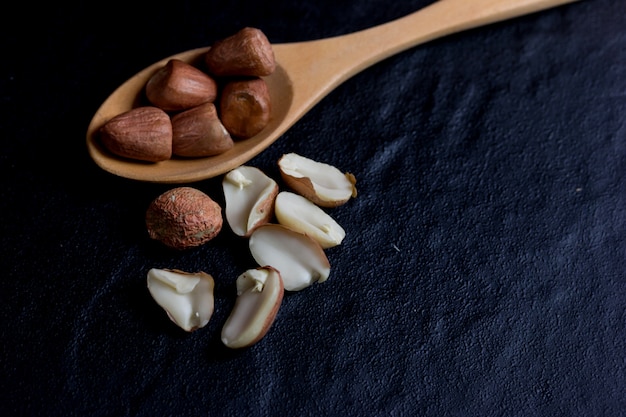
183	217
245	107
246	53
143	133
179	86
199	132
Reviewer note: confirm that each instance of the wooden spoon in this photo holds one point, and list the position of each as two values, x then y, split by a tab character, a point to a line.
306	72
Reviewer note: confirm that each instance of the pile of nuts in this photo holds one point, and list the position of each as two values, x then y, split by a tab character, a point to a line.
287	231
199	112
196	112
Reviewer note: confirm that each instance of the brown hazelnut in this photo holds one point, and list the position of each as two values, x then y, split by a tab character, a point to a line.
246	53
199	132
245	107
179	85
183	217
143	133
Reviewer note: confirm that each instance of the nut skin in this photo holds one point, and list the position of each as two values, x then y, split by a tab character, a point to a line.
245	107
301	174
178	86
183	217
271	317
305	188
260	315
198	132
143	133
246	53
265	211
249	197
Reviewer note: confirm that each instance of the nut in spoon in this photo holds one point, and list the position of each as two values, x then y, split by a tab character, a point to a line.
305	73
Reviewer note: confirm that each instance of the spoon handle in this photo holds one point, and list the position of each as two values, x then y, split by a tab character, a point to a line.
331	61
439	19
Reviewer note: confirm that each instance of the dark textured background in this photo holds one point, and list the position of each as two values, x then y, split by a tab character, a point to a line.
483	272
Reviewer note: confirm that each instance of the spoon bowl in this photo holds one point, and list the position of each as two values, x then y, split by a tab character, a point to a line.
305	73
180	170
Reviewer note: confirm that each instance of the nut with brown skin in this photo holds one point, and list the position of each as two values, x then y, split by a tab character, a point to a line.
249	197
321	183
142	133
183	217
198	132
246	53
178	86
245	107
259	296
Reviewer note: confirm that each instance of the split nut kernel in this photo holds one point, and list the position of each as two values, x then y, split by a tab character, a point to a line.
300	260
323	184
259	296
187	298
302	215
249	199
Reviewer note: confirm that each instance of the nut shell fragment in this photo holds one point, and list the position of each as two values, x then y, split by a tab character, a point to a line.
259	296
300	260
323	184
187	298
183	217
300	214
249	199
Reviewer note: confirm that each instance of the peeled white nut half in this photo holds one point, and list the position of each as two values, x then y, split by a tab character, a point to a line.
323	184
249	199
259	295
187	298
300	260
300	214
